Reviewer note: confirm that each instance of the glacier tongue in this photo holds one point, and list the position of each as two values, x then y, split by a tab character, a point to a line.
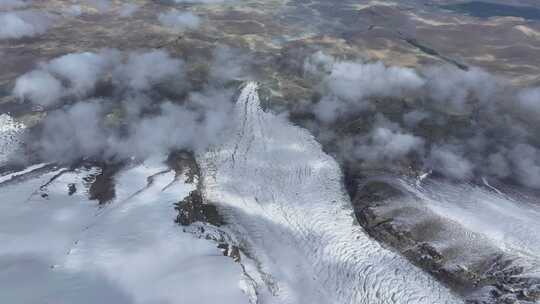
283	199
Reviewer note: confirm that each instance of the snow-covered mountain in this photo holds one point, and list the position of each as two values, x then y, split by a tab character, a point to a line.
281	197
60	247
284	207
284	201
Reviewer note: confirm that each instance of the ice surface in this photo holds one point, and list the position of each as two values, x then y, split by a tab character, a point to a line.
10	133
13	175
508	221
283	199
58	248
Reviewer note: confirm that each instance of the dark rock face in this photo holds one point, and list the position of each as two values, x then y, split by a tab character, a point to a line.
376	191
183	162
230	251
72	188
192	209
102	188
491	277
198	217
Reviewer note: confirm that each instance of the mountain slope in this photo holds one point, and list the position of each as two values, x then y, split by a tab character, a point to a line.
60	247
283	199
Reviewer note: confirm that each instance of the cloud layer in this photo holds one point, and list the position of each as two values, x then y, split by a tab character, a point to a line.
179	21
11	4
113	104
14	25
460	124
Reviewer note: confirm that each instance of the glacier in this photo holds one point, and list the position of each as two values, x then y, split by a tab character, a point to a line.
283	200
284	204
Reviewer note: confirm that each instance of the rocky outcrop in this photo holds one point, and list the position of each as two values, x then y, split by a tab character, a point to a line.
198	217
183	162
192	209
102	186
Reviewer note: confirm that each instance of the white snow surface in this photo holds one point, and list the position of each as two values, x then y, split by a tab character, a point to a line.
65	249
10	137
511	222
16	174
283	199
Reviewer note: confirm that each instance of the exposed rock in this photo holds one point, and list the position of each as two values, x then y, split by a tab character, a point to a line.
102	188
376	191
72	188
230	251
200	218
192	209
183	162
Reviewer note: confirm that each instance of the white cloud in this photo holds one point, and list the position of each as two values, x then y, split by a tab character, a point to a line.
87	127
74	10
353	81
384	144
411	119
348	85
77	74
498	165
73	132
194	1
526	161
128	9
40	87
448	161
100	5
493	135
527	104
81	70
11	4
454	90
142	70
228	64
14	25
179	21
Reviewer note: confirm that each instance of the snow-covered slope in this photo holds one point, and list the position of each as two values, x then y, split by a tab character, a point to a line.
10	133
510	222
283	199
62	248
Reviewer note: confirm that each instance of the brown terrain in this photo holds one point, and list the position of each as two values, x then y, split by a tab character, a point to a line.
278	36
